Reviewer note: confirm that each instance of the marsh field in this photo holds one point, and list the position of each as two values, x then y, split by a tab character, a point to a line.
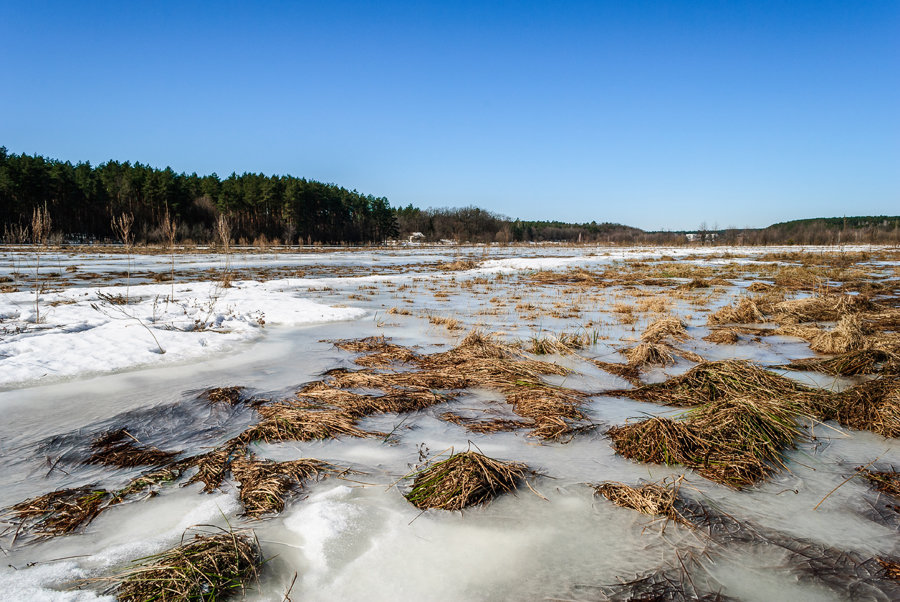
450	423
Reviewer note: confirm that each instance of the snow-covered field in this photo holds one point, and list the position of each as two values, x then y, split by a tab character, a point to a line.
117	351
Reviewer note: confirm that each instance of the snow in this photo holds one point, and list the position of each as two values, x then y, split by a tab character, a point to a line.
81	333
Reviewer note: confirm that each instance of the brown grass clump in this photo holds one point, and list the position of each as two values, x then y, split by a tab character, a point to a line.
657	441
852	363
211	467
406	399
151	479
458	265
734	441
207	567
891	569
848	335
489	425
378	352
667	327
725	336
119	448
871	406
575	276
629	372
445	321
463	480
561	344
744	311
825	308
885	481
264	483
57	512
479	360
709	381
227	395
653	499
553	410
287	421
650	354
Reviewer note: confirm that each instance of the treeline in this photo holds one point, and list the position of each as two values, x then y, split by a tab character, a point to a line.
879	229
83	199
476	225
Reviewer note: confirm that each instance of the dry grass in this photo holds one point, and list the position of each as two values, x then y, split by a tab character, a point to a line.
228	395
394	399
735	441
710	381
629	372
208	567
561	344
848	335
871	406
743	311
823	308
445	321
211	467
885	481
57	512
650	354
667	327
479	360
288	421
852	363
150	480
118	448
377	351
653	499
264	484
725	336
458	265
891	569
484	425
463	480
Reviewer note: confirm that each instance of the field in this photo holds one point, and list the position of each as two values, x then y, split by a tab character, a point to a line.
451	423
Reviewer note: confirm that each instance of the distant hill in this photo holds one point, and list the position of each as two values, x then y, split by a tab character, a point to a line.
880	222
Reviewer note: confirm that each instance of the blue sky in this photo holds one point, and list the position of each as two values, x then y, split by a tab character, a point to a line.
654	114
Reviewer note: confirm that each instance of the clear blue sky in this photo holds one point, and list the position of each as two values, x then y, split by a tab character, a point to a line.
653	114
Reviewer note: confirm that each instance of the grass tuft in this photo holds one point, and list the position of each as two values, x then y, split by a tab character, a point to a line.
463	480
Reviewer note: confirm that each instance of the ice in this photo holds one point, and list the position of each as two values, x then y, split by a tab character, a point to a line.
355	537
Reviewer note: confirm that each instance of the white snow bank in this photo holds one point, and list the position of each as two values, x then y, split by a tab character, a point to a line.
81	333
